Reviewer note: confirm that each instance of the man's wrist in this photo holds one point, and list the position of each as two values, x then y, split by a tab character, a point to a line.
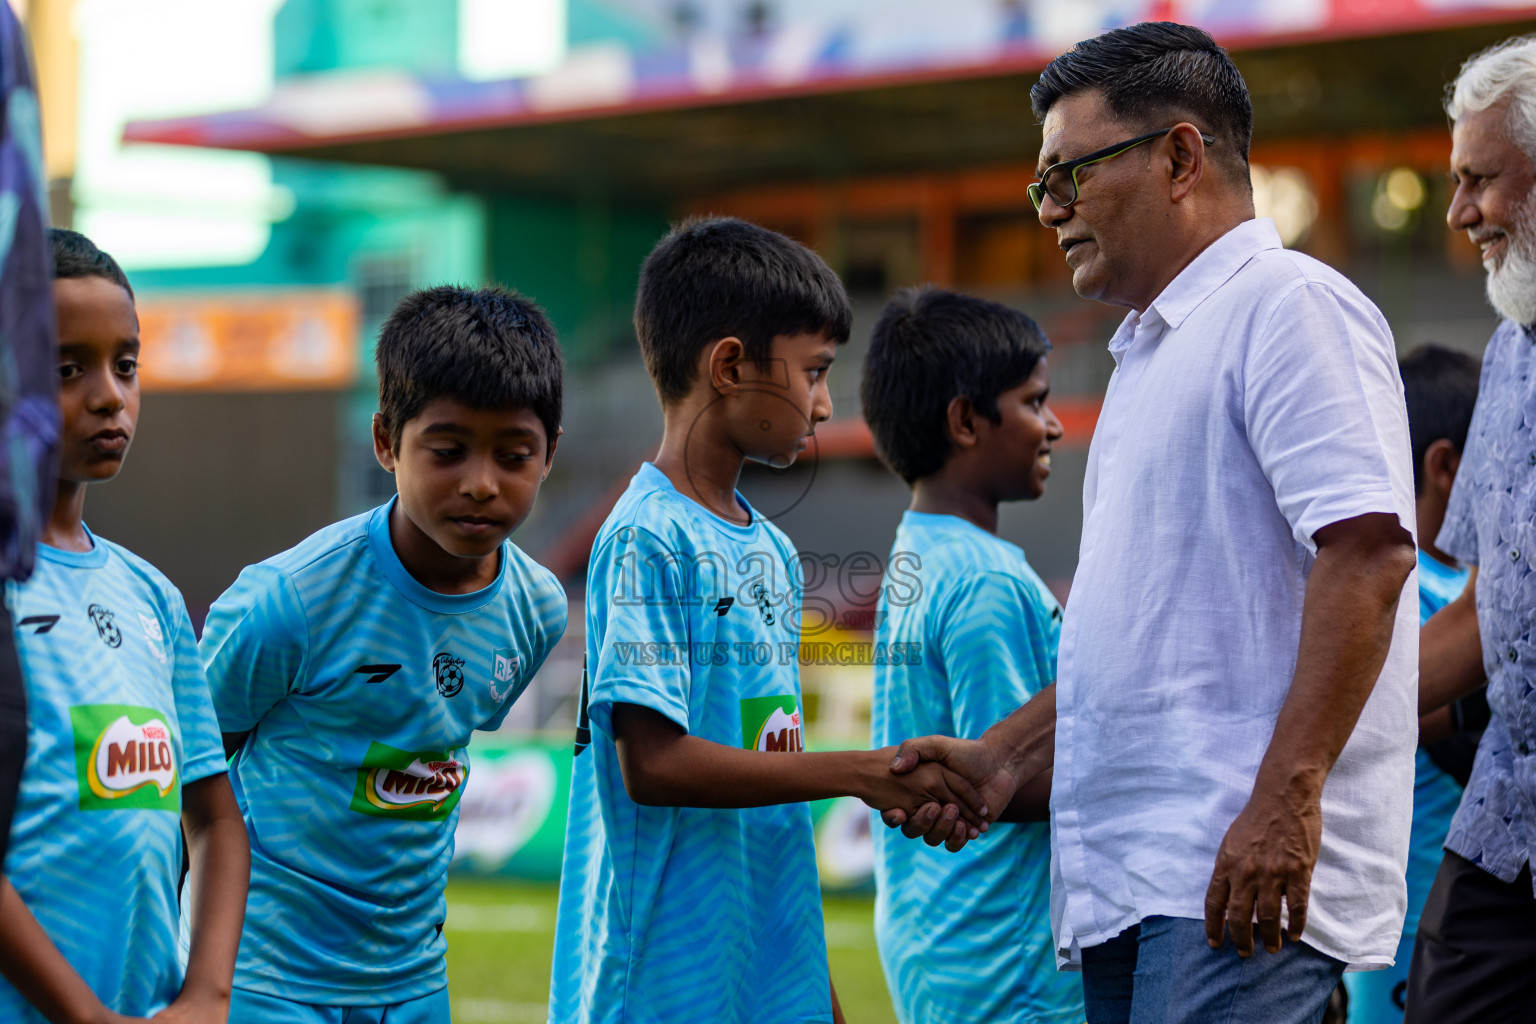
1296	784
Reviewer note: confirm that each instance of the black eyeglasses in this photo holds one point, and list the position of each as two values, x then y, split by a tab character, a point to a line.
1060	180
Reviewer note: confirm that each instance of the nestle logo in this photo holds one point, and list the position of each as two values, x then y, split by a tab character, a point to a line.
154	732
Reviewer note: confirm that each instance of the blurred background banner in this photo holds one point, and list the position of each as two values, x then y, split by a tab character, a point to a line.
260	341
276	174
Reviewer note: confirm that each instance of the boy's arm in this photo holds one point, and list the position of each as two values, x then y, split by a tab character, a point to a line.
1451	651
220	857
33	964
664	766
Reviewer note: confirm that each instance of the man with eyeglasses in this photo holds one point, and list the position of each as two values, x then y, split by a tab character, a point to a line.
1234	717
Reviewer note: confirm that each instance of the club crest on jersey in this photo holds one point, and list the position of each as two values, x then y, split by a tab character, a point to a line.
772	724
125	757
448	671
764	603
155	635
106	625
504	666
415	786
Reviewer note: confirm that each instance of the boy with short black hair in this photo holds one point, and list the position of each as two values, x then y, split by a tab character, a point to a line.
350	671
689	889
123	748
1440	386
954	391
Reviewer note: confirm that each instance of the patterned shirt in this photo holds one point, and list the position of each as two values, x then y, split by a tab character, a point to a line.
1491	523
967	632
688	913
29	366
119	721
360	688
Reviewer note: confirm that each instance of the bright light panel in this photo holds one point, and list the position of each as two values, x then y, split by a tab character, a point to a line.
168	206
510	38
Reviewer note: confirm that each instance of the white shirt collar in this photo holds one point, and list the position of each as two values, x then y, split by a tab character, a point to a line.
1213	268
1199	280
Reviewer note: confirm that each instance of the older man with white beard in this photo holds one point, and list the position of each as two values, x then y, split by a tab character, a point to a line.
1475	958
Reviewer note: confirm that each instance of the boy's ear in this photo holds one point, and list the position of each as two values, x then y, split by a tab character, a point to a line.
1441	460
383	444
960	421
723	364
549	454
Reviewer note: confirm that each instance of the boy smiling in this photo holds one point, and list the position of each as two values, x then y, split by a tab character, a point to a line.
349	672
955	393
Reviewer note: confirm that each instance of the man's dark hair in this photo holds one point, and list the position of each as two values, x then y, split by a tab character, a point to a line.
719	278
486	348
928	347
74	255
1154	75
1440	385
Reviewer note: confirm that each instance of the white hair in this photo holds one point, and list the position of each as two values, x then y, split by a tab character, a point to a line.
1506	70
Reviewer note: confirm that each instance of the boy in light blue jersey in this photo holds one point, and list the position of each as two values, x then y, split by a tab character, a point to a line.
350	671
688	888
123	749
954	390
1440	386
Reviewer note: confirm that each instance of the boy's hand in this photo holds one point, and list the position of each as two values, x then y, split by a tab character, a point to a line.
927	783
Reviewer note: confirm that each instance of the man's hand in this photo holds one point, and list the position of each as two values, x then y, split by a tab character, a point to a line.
1267	854
974	761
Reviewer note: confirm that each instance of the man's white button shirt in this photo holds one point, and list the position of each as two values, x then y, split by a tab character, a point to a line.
1256	401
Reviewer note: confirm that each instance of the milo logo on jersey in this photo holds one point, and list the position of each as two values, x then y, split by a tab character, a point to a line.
772	723
125	758
419	786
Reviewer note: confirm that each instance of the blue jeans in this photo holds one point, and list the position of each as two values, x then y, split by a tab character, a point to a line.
1163	972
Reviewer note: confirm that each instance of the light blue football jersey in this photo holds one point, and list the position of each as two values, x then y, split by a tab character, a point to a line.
965	935
360	688
118	721
678	914
1379	997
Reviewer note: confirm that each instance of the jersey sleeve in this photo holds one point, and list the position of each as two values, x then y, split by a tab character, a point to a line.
997	642
549	611
202	747
1323	407
642	653
255	647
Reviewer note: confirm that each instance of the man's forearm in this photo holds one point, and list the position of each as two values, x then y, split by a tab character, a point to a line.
1346	630
1451	652
1025	741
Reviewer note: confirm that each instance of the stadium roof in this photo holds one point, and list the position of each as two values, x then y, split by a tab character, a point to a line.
924	86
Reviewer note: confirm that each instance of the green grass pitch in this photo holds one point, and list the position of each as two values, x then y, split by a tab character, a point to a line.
501	934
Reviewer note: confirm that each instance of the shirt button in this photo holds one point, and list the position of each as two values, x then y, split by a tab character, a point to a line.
1514	554
1524	748
1531	458
1513	655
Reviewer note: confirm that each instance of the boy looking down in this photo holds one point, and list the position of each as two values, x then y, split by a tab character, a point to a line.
349	672
688	887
